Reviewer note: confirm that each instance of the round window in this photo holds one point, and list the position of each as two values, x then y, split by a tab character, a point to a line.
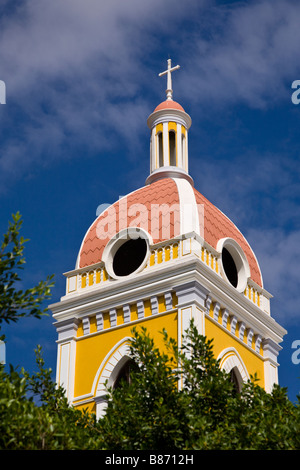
127	253
129	257
234	264
229	267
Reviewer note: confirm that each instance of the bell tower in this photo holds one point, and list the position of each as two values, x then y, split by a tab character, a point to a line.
158	257
169	125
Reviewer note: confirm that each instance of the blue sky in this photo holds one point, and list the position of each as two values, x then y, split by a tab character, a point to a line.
81	79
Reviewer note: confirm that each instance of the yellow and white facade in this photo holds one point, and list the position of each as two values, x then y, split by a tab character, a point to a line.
157	258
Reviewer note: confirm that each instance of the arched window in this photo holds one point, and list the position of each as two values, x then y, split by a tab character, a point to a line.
235	378
125	373
172	148
232	363
108	372
160	150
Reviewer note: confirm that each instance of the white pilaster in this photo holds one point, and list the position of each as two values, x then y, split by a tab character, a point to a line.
191	304
179	146
186	160
166	143
152	151
270	352
66	351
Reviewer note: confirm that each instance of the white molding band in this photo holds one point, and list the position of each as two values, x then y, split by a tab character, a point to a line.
190	213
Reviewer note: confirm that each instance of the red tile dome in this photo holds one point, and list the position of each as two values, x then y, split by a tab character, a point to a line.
160	192
163	191
169	104
217	225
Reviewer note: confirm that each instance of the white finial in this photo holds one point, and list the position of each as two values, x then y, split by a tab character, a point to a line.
170	69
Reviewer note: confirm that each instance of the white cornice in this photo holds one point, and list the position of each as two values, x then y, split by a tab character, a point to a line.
169	114
157	281
169	172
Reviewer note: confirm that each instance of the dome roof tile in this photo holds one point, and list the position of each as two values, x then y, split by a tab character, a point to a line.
164	191
169	104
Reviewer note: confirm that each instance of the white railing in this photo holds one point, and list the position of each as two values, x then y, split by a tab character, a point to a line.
161	253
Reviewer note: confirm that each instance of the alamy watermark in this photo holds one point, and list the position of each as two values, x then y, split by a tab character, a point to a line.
296	353
296	95
2	92
161	220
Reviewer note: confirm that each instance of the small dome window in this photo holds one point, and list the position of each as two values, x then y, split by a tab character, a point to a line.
129	256
127	253
234	265
229	267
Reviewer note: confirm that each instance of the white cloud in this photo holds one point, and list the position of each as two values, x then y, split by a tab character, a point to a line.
260	195
76	70
81	70
253	189
249	54
79	38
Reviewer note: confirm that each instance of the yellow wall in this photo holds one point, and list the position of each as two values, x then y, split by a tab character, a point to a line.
223	339
91	350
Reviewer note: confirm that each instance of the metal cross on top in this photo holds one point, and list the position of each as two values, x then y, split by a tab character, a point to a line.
170	69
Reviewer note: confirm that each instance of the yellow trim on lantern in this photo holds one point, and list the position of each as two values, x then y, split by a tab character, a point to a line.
172	126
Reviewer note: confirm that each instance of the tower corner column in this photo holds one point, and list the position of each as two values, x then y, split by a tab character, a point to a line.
66	352
270	352
191	305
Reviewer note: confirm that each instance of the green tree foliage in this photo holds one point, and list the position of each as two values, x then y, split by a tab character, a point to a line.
34	413
176	399
14	302
50	423
206	412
